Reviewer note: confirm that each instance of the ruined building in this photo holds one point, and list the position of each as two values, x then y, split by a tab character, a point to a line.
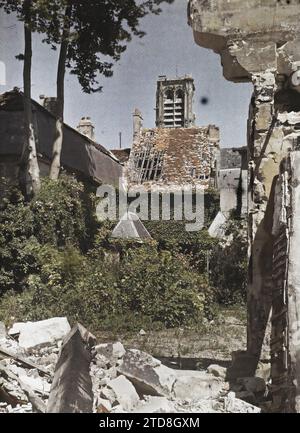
176	153
233	181
259	42
81	155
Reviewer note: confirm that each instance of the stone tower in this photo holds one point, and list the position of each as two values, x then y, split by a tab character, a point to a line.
174	102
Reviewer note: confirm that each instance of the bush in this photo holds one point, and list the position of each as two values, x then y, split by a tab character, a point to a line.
62	214
162	287
172	236
229	267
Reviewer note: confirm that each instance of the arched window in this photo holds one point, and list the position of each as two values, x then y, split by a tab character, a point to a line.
169	94
179	94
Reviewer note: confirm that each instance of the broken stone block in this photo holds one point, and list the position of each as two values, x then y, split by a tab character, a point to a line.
155	405
234	405
103	406
264	117
125	393
34	334
147	374
111	351
217	370
263	371
71	390
253	384
2	331
108	394
196	385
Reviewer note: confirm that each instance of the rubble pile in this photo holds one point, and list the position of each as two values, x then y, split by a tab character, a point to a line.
47	367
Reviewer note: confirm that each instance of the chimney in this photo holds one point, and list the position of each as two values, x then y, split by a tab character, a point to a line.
50	103
137	123
86	127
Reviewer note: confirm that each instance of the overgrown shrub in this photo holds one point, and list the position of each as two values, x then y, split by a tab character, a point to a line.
229	266
172	236
62	214
162	286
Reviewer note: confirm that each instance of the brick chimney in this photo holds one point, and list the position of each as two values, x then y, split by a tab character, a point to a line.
50	103
86	127
137	123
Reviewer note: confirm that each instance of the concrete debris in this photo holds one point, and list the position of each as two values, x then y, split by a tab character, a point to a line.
124	392
147	374
111	351
33	334
155	405
217	370
235	405
195	385
71	390
103	406
77	375
2	331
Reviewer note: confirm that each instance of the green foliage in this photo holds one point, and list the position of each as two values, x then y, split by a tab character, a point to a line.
60	215
211	205
162	287
63	213
229	266
172	236
146	288
57	260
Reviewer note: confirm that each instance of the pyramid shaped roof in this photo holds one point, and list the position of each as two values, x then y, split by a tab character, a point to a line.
130	227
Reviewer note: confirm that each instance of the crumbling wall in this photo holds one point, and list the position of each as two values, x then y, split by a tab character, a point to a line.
173	157
258	41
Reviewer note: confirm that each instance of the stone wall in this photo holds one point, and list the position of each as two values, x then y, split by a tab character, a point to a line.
258	41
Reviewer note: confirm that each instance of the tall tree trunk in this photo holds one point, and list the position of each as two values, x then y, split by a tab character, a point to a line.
60	86
29	166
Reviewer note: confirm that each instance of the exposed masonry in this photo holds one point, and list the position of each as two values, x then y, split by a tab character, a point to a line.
176	153
173	157
233	181
258	41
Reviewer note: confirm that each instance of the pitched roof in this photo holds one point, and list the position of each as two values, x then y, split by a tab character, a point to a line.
79	152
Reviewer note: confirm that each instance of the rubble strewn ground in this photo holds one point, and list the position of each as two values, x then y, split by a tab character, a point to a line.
123	380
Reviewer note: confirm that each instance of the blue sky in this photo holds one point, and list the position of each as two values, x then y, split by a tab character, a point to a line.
167	49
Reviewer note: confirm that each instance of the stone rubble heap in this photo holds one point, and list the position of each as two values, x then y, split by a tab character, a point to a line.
122	380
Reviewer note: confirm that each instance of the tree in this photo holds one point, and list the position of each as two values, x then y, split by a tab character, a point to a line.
29	168
89	32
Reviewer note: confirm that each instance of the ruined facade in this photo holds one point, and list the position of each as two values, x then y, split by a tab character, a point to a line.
176	153
233	181
258	41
